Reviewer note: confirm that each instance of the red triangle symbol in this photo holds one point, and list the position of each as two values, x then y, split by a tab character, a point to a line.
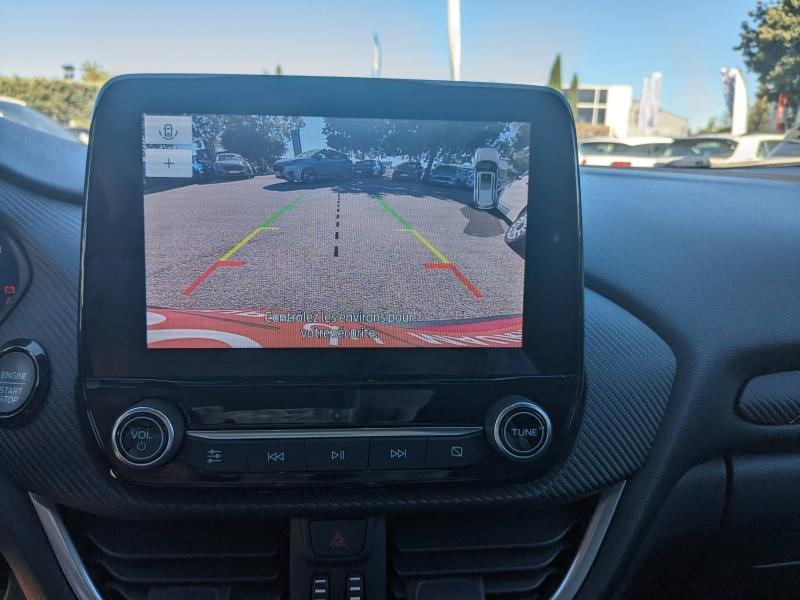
338	541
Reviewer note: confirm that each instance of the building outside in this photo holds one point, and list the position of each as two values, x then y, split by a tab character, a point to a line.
614	107
667	125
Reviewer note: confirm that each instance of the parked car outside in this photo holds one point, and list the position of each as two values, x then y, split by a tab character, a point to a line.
369	168
230	164
410	170
313	165
624	152
720	149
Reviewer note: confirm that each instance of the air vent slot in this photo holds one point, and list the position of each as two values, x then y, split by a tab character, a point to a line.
520	554
5	575
179	559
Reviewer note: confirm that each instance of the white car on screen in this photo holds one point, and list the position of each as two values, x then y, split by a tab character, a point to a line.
622	152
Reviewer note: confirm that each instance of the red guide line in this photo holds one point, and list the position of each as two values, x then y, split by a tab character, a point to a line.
459	275
207	273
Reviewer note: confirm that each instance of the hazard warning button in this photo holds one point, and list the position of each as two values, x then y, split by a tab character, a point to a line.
338	538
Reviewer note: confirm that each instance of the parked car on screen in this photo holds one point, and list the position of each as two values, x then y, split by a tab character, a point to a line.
312	165
369	168
720	149
466	176
516	233
411	170
449	175
513	197
230	164
623	152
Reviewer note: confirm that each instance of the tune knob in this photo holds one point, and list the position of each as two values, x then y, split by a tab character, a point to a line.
518	428
148	434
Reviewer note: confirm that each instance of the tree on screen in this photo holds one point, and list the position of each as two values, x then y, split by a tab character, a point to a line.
259	138
423	140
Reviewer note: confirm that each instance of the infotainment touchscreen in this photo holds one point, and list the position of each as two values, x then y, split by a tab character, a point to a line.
267	231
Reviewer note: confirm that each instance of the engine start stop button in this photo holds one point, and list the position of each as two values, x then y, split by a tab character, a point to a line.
17	381
23	376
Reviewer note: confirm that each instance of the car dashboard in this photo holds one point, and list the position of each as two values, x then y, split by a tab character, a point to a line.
679	480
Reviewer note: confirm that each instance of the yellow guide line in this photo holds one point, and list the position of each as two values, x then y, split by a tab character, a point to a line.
241	243
264	226
431	248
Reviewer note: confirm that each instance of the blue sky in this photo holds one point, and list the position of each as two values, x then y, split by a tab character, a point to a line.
613	42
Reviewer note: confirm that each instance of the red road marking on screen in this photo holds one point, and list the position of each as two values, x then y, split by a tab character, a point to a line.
459	275
207	273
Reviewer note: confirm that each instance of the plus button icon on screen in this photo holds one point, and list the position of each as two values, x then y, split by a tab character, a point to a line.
169	163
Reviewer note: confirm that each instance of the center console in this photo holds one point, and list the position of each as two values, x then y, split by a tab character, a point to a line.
290	281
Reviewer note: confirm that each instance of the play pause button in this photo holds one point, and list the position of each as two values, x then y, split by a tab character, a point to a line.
398	453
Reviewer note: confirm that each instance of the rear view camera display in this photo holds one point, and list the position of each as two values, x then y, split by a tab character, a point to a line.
269	231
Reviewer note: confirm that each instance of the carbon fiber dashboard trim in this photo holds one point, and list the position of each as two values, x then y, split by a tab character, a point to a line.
772	399
629	377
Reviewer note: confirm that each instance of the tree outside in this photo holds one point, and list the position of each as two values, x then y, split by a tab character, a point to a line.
572	94
770	43
554	81
66	101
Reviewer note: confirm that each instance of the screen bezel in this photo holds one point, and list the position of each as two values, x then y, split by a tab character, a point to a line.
113	330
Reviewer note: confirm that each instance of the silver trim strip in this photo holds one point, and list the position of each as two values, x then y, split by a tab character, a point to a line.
64	549
287	434
590	544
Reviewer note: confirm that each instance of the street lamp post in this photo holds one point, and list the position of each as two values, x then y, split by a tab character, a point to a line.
454	37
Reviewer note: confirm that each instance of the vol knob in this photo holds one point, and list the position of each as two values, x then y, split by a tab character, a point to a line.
148	434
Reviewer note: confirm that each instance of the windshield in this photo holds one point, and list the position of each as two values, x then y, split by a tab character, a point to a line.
445	169
738	75
308	154
786	149
228	157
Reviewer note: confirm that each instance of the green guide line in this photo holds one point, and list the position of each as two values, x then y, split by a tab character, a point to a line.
280	212
392	212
